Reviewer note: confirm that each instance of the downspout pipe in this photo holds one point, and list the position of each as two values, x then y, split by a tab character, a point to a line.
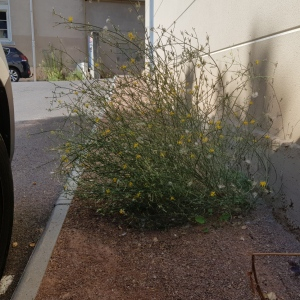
151	31
33	41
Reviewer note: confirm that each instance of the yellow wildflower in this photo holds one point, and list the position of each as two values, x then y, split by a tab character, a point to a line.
107	191
182	120
210	122
211	150
115	179
97	120
106	132
75	111
188	116
86	105
263	184
130	184
96	65
122	211
212	194
172	113
172	198
193	155
158	110
76	93
162	153
267	136
123	67
179	142
221	136
138	156
131	36
150	126
138	195
257	62
251	102
124	166
245	122
205	139
135	145
132	60
252	121
218	127
70	19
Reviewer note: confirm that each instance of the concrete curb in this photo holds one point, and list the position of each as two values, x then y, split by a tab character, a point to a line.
36	267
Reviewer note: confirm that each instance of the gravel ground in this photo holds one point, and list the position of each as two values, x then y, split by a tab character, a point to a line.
97	259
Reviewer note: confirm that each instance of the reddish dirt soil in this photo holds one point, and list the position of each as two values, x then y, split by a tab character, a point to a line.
96	259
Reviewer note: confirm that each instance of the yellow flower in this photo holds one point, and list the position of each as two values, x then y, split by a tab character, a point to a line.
132	60
107	191
106	132
131	36
150	126
122	211
97	120
76	93
218	127
179	142
193	155
138	156
96	65
86	105
138	195
212	194
123	67
263	184
162	153
205	139
221	136
211	150
172	198
67	150
182	120
124	166
252	121
130	184
172	113
188	116
245	122
135	145
70	19
158	110
257	62
210	122
75	111
115	179
189	140
251	102
267	136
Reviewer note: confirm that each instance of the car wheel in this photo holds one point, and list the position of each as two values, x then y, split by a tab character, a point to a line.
6	204
14	74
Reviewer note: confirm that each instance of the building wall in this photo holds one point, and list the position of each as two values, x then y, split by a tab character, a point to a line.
268	31
48	31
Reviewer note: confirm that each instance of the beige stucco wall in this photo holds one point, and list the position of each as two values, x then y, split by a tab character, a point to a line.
268	30
48	32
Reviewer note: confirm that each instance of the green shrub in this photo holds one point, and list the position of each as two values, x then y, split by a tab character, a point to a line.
173	143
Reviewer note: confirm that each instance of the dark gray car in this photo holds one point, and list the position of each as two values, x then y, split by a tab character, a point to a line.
17	63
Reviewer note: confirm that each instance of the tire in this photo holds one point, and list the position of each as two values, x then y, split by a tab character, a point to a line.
14	74
6	204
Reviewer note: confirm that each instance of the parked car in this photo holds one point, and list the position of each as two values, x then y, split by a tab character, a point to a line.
17	63
6	153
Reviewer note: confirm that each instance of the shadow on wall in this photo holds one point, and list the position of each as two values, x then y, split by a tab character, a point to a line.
283	168
284	164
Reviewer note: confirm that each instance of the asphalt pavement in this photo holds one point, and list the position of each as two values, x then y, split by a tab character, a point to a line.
35	162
